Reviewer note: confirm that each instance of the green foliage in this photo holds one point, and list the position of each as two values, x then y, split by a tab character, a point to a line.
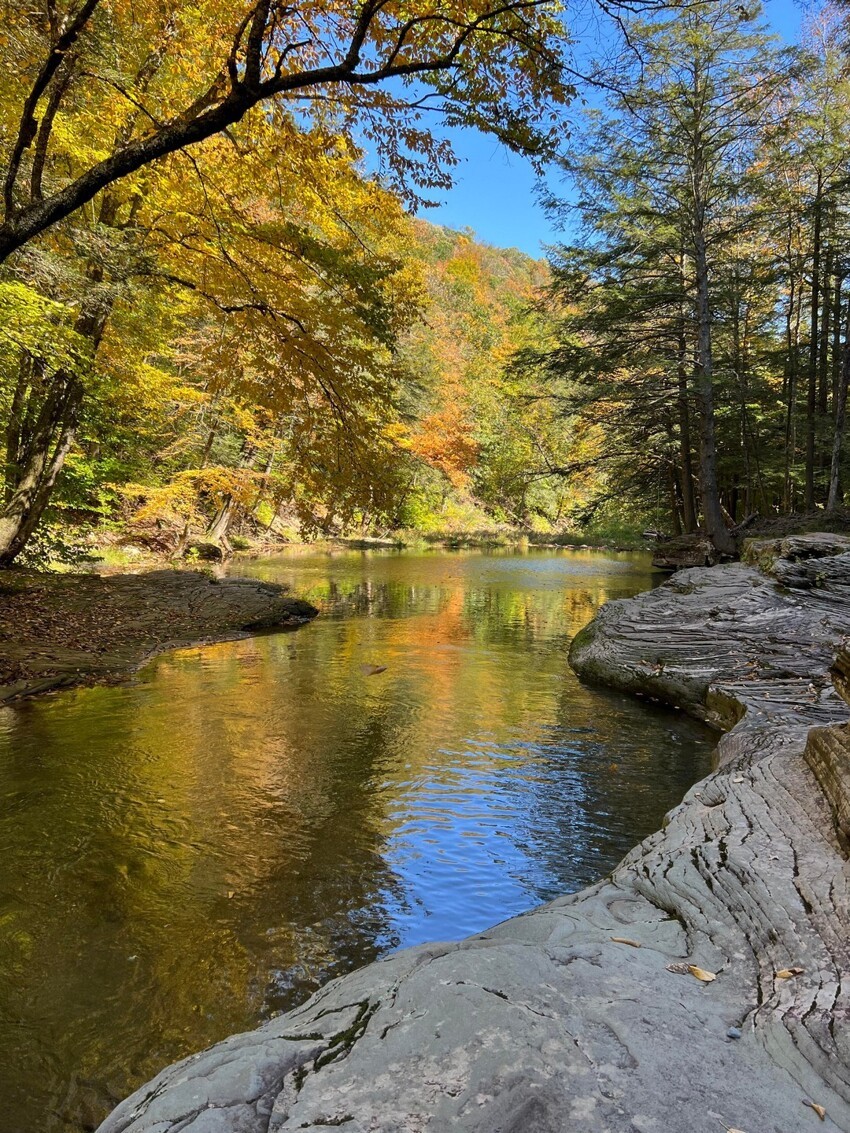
57	543
713	144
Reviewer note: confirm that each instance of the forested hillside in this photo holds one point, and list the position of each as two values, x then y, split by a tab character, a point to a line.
208	304
212	421
479	436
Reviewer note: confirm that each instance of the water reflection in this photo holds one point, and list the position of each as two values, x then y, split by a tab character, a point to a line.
181	857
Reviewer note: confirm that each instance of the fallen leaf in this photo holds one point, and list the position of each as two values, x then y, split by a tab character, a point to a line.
701	974
819	1109
788	973
372	670
626	940
679	969
738	779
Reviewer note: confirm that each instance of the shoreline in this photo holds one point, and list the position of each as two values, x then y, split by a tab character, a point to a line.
107	558
585	1012
58	631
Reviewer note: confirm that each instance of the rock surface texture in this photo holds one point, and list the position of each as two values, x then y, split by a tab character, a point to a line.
58	630
684	551
584	1014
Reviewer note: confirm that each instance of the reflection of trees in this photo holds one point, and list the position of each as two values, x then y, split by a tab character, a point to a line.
213	843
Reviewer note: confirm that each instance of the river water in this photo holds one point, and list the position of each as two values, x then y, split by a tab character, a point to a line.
183	856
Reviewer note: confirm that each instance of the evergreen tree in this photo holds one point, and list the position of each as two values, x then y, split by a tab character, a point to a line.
667	196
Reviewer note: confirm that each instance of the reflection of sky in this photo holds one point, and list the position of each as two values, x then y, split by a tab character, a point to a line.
490	829
505	782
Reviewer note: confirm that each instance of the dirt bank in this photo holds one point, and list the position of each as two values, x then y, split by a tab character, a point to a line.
59	630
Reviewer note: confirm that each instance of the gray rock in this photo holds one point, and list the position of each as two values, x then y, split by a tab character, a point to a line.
555	1021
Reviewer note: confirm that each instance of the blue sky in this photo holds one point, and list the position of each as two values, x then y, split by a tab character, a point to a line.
494	189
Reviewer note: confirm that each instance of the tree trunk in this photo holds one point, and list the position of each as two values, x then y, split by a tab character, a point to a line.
823	349
37	463
840	418
838	282
688	506
812	399
220	523
675	511
792	327
712	511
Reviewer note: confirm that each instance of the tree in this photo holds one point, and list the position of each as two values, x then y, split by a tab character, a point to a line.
665	182
96	125
806	160
286	268
499	64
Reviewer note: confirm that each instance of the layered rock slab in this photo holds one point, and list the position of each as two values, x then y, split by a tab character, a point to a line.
570	1016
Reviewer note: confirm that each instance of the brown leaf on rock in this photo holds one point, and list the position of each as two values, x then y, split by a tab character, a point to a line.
626	940
701	974
819	1109
788	973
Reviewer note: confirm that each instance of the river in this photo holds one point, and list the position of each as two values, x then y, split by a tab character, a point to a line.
184	855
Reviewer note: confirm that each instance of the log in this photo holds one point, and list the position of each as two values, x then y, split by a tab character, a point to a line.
684	551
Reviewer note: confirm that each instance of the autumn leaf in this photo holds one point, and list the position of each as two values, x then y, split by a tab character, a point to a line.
701	974
788	973
819	1109
626	940
692	970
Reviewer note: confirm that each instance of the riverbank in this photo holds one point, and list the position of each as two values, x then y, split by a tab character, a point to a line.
60	630
117	552
701	986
